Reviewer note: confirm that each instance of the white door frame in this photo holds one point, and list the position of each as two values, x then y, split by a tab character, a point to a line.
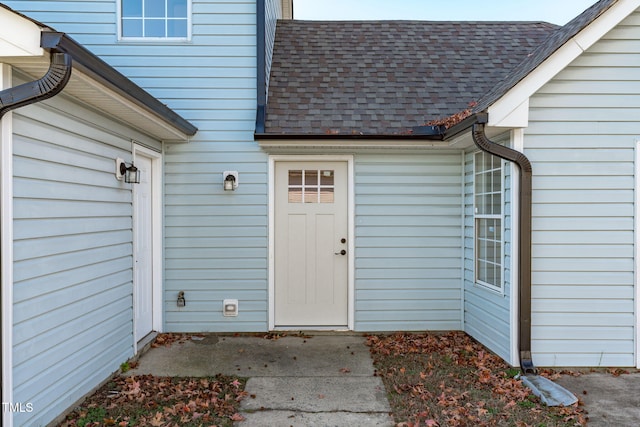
156	236
350	224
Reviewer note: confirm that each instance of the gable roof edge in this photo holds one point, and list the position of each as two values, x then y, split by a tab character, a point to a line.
501	104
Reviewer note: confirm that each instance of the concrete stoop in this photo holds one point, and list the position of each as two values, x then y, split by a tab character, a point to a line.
316	380
315	419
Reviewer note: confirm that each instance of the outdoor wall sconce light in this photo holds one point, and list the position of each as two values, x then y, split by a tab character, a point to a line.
181	301
230	180
129	173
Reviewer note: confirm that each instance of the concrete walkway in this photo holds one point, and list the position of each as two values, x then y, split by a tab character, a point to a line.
321	380
609	400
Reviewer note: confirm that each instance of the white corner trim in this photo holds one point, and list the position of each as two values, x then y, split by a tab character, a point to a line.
463	214
6	230
502	109
637	254
350	224
517	143
272	240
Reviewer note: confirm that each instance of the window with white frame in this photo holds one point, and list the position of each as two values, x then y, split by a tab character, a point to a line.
155	19
488	220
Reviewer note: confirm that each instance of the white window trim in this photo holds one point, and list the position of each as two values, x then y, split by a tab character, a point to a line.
154	39
500	290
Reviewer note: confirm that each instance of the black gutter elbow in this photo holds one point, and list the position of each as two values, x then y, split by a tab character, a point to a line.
524	233
46	87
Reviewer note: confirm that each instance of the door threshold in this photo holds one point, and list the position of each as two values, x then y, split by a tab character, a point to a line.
144	344
313	328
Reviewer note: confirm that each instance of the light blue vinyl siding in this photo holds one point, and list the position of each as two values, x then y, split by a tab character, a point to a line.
215	243
209	80
581	141
487	313
408	235
72	290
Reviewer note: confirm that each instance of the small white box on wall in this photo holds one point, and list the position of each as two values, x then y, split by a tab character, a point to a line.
230	307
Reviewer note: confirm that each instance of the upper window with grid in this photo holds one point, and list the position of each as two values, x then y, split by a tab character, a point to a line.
488	221
488	184
155	19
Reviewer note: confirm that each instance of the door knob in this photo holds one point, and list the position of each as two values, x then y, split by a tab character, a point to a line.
342	252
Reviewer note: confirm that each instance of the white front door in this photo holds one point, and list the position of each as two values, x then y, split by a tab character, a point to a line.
143	248
311	262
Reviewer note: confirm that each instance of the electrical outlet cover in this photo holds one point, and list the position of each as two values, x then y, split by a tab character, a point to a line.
230	307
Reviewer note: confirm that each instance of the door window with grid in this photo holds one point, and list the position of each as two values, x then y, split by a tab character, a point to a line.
488	203
311	186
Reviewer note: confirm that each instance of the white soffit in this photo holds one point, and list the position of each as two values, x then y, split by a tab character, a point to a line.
20	48
83	87
96	95
507	111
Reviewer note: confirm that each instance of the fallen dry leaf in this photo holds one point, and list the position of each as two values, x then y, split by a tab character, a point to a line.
449	379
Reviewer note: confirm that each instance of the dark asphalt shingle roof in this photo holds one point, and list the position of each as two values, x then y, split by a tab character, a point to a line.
383	77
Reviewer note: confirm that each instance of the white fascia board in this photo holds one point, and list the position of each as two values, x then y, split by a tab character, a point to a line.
605	23
503	108
19	37
505	111
350	143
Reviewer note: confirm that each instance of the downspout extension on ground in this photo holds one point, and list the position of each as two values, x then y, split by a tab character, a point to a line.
524	234
46	87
